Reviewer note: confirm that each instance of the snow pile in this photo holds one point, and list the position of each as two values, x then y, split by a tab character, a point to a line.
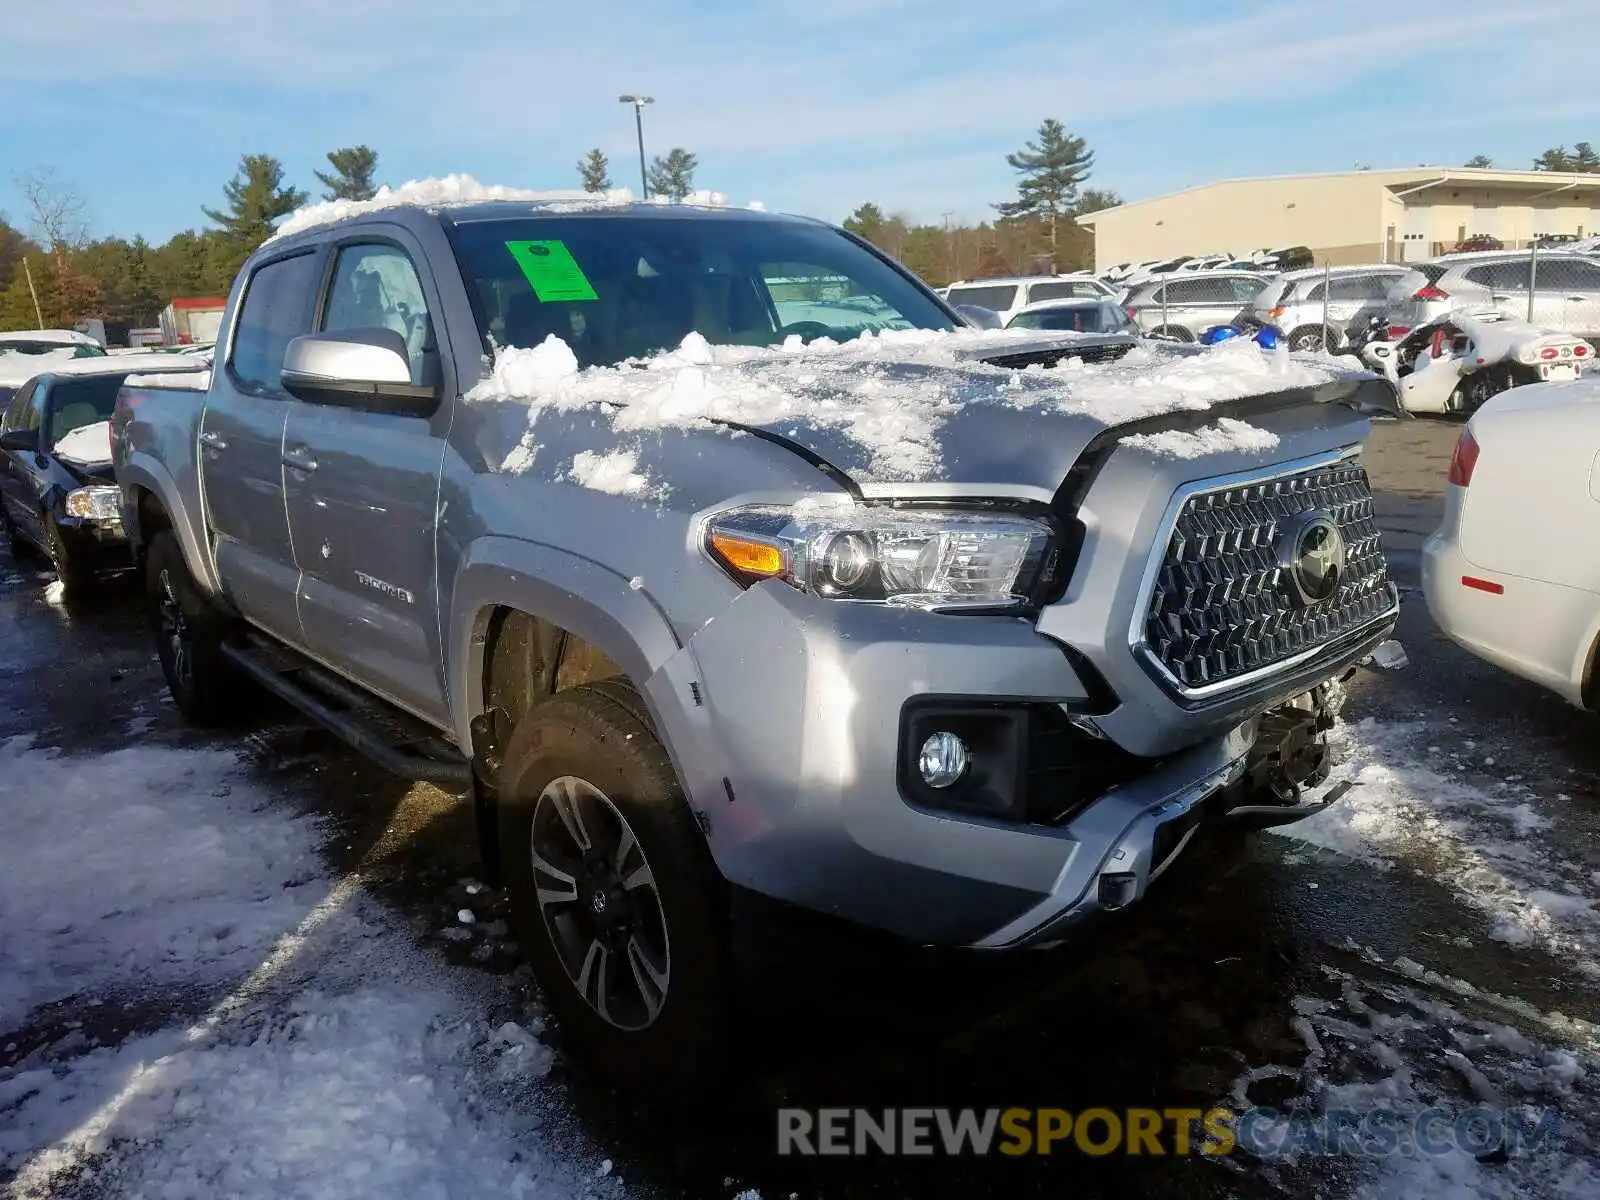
439	193
1225	436
87	444
1474	839
138	868
613	473
890	392
1496	338
288	1036
1398	1039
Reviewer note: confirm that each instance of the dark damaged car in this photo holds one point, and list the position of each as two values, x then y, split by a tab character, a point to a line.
58	493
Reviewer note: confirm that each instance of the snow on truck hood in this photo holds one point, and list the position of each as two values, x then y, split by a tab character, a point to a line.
915	406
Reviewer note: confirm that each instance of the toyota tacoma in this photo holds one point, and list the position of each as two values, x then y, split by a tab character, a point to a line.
707	553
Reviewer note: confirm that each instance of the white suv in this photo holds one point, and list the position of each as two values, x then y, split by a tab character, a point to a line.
1008	295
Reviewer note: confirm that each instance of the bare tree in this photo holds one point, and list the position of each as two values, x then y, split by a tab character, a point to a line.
56	211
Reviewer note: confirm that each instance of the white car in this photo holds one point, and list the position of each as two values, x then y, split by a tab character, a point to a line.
1457	362
26	352
1006	296
1513	571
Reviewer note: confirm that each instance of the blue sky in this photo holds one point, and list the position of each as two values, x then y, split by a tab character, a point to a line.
808	106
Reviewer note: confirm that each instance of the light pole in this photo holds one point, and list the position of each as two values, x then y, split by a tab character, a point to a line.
638	103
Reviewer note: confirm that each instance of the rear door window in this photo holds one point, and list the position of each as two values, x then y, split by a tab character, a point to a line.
998	298
1510	276
1076	289
1360	287
1568	275
278	302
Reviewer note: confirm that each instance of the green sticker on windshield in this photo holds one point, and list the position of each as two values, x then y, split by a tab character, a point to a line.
551	271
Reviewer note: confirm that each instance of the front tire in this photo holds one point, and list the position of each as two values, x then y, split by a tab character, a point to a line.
613	893
189	631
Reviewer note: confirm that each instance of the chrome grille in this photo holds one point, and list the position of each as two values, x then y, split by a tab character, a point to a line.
1221	609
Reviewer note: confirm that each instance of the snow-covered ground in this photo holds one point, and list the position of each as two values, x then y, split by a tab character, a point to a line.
191	1005
1408	1035
194	1003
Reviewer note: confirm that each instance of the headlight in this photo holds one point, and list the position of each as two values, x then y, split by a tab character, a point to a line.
95	504
918	558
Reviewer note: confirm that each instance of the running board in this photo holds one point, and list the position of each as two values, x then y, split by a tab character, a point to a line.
396	741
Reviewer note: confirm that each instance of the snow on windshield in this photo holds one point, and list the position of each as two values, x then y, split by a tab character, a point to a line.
86	444
853	386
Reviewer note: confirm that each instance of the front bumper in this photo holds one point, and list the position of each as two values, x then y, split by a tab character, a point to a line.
792	758
96	545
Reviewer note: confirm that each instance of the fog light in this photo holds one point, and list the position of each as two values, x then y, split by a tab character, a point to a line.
943	759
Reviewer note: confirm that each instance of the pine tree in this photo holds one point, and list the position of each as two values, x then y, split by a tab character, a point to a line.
595	171
1094	200
1051	168
1584	158
673	176
1556	159
866	222
257	201
1481	162
353	167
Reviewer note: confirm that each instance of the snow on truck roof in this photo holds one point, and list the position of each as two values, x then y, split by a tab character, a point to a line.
461	191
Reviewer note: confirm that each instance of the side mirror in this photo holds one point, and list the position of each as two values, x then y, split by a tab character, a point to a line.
20	440
356	368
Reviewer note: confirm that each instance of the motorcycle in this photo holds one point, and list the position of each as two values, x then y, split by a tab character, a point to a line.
1268	337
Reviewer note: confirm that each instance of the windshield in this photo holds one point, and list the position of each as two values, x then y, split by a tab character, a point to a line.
995	297
54	349
1084	318
79	402
615	288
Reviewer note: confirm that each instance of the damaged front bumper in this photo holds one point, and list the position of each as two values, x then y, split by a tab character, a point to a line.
1274	783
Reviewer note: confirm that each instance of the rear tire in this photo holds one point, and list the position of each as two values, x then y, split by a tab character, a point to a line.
613	893
1310	339
189	631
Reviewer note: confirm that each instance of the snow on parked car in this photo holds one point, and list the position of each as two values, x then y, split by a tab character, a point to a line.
1457	362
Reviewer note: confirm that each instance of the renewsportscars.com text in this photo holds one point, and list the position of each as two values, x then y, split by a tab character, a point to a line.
1260	1132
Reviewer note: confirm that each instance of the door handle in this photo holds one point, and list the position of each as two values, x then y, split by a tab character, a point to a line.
213	441
1578	299
299	460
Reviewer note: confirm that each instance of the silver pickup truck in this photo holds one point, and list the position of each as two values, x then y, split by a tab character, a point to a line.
712	556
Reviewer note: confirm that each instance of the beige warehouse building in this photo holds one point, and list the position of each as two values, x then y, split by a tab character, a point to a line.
1350	216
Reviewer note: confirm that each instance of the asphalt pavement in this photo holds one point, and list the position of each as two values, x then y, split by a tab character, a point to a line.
1274	971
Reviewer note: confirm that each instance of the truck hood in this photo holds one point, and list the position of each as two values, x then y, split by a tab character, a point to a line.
1023	416
994	410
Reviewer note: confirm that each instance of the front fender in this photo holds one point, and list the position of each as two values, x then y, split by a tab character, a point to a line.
578	594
